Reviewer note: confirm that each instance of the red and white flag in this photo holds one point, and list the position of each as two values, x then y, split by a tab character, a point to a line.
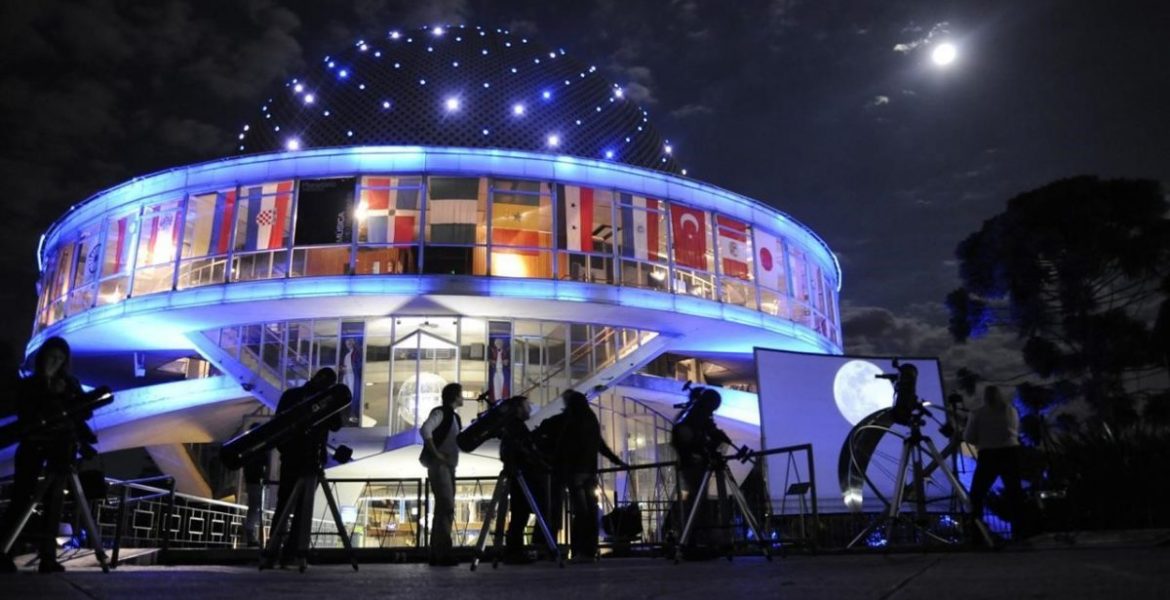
576	231
689	226
770	261
733	247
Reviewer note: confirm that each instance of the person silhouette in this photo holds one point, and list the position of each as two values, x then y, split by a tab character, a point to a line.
993	429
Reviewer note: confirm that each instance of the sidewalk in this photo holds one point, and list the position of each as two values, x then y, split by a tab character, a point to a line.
1116	572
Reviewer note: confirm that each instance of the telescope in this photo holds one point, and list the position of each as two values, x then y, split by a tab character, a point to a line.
307	415
82	409
491	423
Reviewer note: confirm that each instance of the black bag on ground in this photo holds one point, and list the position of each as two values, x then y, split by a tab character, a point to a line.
623	522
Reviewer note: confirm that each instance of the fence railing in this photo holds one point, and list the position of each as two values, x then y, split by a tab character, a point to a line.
395	512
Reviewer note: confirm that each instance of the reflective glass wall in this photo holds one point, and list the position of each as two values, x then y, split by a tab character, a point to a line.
397	366
385	225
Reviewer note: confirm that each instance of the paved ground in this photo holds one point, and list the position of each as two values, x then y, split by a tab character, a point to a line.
1118	573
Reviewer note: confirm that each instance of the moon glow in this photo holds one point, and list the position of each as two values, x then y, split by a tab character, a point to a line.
858	393
944	54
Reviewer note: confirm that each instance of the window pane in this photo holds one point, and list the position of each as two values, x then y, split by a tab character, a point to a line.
324	211
388	215
208	223
771	266
586	219
735	250
521	220
157	239
264	216
642	228
456	210
691	228
388	260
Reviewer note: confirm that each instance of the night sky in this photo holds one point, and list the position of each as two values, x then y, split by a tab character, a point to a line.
828	110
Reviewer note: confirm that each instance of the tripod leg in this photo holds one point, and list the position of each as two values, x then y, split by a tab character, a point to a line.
887	521
22	520
95	539
276	531
341	531
501	518
699	494
540	522
481	542
745	510
960	491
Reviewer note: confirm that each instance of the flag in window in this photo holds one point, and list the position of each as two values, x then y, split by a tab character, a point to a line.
770	261
391	215
268	211
639	228
576	230
159	237
689	226
214	214
733	247
117	253
453	210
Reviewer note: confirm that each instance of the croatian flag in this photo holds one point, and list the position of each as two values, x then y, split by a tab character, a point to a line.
639	228
733	251
770	261
391	214
576	231
268	211
690	236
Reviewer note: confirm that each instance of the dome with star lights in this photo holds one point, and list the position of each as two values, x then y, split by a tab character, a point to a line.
460	86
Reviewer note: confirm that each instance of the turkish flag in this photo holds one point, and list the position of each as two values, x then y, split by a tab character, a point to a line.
690	236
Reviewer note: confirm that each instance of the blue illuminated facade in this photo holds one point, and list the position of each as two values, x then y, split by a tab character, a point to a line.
492	226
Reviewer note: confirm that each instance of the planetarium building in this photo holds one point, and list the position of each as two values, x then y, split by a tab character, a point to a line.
436	205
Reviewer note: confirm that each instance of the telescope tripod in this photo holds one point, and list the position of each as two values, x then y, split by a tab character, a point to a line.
913	446
300	501
717	467
53	479
499	507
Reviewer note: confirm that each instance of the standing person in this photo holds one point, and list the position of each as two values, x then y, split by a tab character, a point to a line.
994	431
440	455
578	441
302	456
518	451
50	390
697	439
255	472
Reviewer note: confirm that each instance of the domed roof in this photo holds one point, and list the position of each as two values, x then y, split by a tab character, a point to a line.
461	86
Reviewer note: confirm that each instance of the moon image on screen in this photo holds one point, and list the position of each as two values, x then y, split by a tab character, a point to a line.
858	393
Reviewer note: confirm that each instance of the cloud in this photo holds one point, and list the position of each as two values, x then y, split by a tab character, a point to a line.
691	110
639	81
878	101
920	330
937	30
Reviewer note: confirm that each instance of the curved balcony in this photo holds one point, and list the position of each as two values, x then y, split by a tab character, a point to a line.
399	230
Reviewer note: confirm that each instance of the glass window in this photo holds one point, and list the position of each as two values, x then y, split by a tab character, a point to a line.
265	213
263	228
735	261
456	210
586	230
88	253
798	264
691	241
642	228
771	266
158	237
207	235
116	259
521	218
208	224
388	210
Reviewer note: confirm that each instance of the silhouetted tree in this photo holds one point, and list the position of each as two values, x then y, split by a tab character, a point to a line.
1080	270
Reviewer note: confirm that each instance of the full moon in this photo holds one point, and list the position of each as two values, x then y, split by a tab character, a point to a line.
944	54
858	393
